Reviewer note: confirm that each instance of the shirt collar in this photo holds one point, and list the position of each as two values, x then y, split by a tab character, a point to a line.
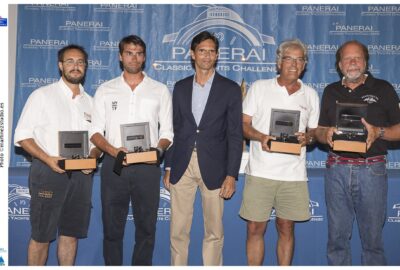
301	89
208	82
364	82
122	80
68	92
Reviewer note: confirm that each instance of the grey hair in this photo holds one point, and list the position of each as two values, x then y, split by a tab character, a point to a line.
289	44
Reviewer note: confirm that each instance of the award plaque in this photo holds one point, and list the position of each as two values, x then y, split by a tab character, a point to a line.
74	147
284	124
136	139
351	135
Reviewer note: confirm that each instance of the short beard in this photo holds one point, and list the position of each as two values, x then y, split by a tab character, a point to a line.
355	78
73	80
133	70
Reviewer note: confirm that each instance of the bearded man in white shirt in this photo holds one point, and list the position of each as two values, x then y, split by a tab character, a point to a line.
132	97
59	202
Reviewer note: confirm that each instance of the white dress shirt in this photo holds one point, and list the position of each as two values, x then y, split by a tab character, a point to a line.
115	104
51	109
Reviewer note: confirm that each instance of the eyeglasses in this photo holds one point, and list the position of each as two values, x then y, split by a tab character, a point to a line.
289	60
72	62
204	52
137	54
356	59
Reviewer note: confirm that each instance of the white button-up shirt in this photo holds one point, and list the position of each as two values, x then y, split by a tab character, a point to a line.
115	104
51	109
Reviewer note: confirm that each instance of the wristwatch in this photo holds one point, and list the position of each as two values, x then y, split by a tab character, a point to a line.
381	132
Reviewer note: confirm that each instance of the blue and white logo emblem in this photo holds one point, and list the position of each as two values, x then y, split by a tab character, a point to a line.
394	215
18	202
164	209
242	47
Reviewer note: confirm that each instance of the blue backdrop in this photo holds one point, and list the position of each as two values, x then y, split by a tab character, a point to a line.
248	35
311	236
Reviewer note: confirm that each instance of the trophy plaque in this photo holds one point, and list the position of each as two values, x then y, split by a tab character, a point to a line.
351	135
74	147
284	124
136	139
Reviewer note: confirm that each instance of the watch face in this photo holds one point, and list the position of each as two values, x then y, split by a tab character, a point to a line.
381	132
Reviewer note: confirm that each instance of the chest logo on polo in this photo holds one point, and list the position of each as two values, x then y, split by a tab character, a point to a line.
114	105
87	116
370	99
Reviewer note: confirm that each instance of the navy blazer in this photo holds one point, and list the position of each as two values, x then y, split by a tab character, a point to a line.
218	137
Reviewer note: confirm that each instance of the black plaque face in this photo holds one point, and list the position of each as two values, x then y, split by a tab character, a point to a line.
348	118
136	137
284	123
73	144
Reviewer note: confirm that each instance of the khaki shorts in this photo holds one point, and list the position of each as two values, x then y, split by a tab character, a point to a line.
289	198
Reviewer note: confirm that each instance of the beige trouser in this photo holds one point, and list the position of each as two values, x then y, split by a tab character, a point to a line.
183	195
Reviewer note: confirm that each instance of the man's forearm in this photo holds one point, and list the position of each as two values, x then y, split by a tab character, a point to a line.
391	133
163	144
30	146
249	132
320	134
95	153
102	144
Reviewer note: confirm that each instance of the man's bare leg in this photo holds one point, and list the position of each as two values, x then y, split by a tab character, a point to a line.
255	242
37	253
66	252
285	246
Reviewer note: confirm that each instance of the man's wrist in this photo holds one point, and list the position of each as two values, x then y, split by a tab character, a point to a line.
160	151
381	132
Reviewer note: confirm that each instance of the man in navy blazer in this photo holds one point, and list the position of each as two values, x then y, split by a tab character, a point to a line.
206	152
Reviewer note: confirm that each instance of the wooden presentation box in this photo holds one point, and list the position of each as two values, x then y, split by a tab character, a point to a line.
142	157
285	147
78	164
350	146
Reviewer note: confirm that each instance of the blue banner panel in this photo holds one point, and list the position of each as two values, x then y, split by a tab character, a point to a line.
311	236
248	35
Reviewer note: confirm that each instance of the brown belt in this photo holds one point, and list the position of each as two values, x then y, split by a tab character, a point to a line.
355	161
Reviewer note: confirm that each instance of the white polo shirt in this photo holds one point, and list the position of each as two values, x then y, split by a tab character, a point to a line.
115	104
263	96
51	109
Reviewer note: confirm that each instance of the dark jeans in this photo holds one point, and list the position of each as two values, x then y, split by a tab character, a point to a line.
138	184
356	191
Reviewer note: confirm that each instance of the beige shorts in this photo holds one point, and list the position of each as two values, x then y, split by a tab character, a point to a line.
289	198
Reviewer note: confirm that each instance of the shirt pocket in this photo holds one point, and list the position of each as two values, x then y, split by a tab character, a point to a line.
149	109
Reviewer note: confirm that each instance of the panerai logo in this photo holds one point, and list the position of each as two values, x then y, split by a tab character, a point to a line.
348	29
394	215
164	208
19	201
242	47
